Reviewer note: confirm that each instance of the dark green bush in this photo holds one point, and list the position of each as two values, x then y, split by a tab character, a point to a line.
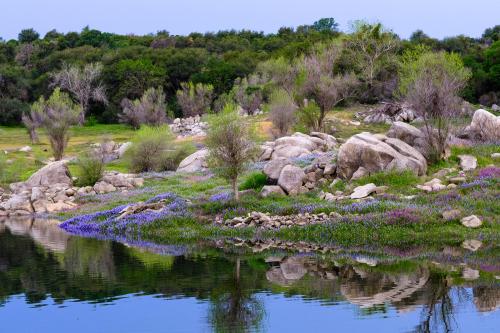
11	111
255	180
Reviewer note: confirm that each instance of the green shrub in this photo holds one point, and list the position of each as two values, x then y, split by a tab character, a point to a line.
307	118
255	180
90	169
149	146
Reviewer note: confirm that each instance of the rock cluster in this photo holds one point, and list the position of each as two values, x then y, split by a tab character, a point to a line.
51	189
264	221
297	145
435	185
388	113
112	181
374	153
192	126
291	179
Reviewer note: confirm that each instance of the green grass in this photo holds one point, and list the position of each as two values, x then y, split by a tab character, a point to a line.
400	182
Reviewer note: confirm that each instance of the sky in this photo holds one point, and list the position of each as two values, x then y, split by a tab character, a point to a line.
438	18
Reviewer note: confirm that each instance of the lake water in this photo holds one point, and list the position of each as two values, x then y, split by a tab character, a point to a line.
53	282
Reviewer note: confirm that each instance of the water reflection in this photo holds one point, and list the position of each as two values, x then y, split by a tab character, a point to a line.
40	261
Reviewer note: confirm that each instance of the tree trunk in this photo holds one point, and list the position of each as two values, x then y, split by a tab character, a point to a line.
33	136
235	189
81	118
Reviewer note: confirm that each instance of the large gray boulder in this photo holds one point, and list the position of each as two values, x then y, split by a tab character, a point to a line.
194	162
297	145
378	154
405	132
291	179
273	168
53	173
485	125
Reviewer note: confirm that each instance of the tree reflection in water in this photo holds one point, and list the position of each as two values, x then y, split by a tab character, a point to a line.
237	309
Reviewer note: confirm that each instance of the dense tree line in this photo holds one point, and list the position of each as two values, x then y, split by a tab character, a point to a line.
226	62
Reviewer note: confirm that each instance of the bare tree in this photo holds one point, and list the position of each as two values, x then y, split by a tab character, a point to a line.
25	55
230	145
432	90
57	115
282	111
323	83
150	109
83	83
248	93
194	99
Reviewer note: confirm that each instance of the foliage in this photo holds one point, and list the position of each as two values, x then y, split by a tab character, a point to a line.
150	109
11	111
256	180
308	117
149	146
28	36
372	51
195	99
90	169
231	146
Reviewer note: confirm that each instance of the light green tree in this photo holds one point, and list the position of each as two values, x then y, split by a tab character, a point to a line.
230	141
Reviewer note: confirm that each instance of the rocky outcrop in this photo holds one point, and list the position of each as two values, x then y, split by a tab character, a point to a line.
195	162
51	189
378	153
388	113
297	145
192	126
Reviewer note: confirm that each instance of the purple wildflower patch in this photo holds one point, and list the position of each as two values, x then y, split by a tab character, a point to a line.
402	216
107	225
221	197
489	172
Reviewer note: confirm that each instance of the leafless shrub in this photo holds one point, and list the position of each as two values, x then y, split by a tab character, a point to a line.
282	111
322	83
194	99
150	109
433	94
83	84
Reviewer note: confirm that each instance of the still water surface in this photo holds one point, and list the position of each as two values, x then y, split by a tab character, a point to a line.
53	282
